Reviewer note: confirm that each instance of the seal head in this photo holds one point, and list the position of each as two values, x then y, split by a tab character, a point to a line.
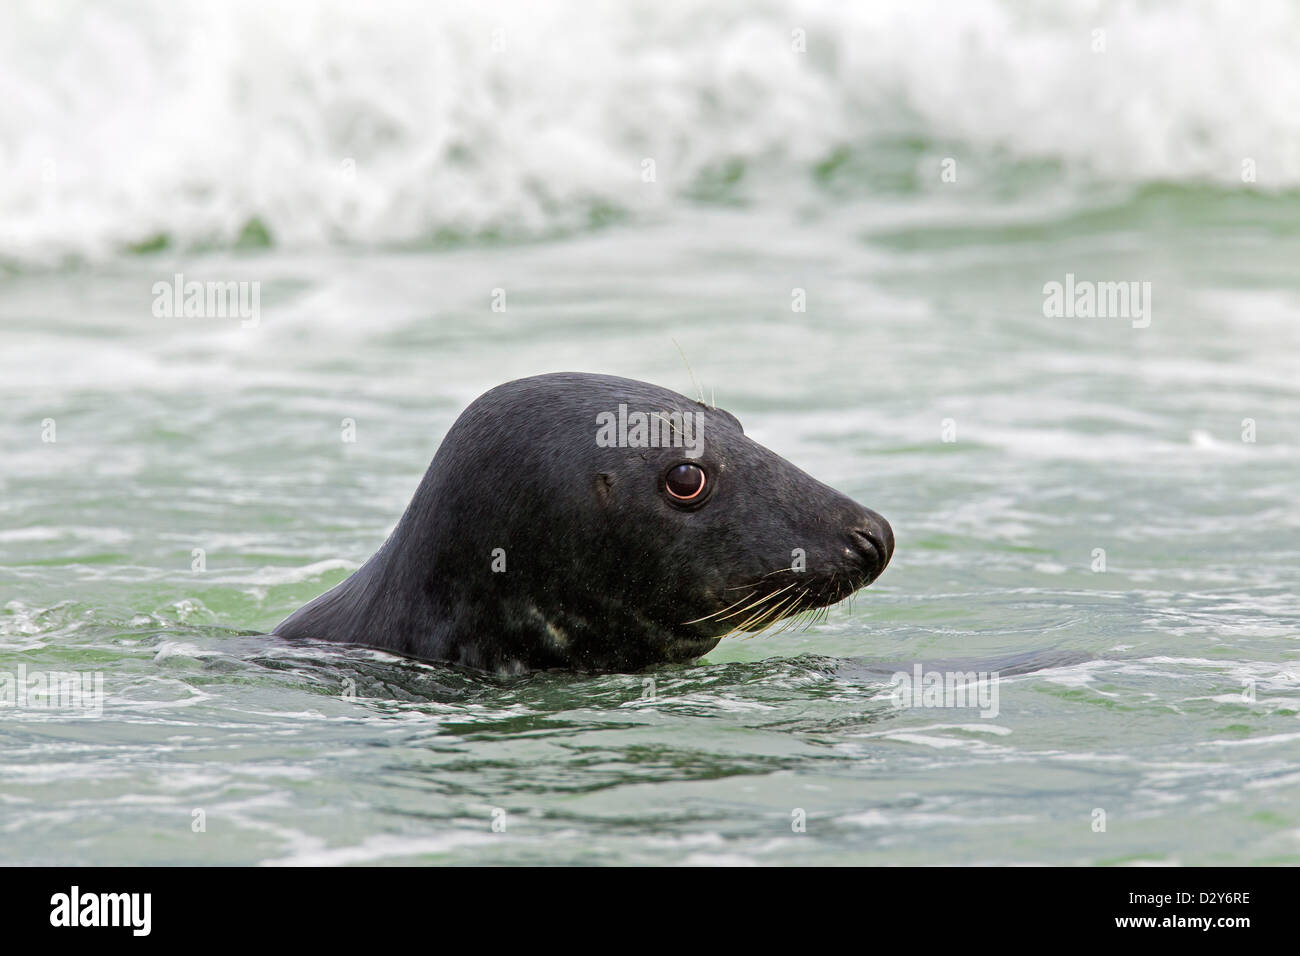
601	524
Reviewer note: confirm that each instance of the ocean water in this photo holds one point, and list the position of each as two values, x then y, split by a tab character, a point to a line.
1100	511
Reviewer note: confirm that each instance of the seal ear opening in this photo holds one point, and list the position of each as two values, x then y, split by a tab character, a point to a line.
604	487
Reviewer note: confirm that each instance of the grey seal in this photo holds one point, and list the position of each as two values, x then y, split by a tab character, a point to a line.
597	523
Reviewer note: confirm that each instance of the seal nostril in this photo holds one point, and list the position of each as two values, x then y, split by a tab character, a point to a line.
869	542
887	535
875	541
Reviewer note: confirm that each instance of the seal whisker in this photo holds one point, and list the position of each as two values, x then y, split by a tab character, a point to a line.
768	617
740	626
795	613
667	421
743	597
780	611
752	623
808	616
813	616
760	577
762	613
762	600
698	391
788	622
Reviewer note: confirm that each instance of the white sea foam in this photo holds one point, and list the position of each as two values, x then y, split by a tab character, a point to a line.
310	851
395	121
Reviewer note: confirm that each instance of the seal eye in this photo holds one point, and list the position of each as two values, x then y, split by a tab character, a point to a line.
685	482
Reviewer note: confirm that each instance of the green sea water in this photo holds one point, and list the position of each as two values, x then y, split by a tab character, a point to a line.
1104	515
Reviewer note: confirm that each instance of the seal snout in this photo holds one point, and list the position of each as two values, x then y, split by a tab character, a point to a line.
873	540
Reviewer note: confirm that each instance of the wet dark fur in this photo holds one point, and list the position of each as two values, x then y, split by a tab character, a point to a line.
603	570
